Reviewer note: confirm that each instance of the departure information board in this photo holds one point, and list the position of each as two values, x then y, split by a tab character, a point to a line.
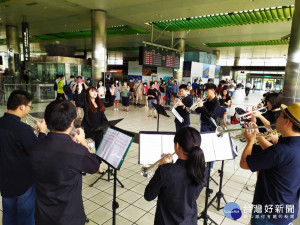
158	57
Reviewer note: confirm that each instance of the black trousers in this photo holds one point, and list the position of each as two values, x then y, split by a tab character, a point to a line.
60	95
247	90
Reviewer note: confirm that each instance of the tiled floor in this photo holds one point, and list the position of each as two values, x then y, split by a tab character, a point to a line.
133	209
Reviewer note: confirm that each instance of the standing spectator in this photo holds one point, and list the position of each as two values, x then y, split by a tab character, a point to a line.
152	94
145	92
138	92
131	85
71	83
117	94
194	85
156	86
57	163
125	90
190	90
225	103
220	87
175	89
270	86
231	88
79	89
16	180
253	88
200	89
247	88
162	89
60	85
101	90
169	91
267	85
89	82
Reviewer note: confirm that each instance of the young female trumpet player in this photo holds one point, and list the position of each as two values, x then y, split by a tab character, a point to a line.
178	185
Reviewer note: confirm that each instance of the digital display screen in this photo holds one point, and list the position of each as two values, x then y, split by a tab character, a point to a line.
159	57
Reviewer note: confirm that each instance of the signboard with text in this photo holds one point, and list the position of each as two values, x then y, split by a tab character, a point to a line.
25	37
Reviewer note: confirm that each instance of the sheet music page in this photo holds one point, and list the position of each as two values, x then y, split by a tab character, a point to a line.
222	146
208	147
150	148
113	147
168	145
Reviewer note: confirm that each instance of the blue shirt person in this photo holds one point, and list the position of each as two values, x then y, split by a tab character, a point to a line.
277	189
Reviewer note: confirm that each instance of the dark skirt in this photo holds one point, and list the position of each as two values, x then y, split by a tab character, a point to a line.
125	101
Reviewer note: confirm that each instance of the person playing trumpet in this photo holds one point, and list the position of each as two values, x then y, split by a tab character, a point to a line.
16	180
278	183
178	185
183	108
57	163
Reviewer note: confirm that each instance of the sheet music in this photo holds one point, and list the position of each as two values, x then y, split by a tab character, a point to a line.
207	147
151	148
153	145
222	146
113	147
176	114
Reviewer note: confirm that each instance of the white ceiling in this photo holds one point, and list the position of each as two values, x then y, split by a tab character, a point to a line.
53	16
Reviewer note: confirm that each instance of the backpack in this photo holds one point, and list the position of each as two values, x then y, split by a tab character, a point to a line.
55	86
67	89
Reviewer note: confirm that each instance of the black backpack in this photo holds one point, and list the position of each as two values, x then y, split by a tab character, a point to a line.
67	89
55	86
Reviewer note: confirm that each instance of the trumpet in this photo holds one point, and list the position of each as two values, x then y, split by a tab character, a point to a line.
222	131
195	105
274	132
248	115
146	171
177	102
34	127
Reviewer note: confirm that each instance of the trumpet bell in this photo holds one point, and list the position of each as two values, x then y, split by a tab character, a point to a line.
91	144
146	172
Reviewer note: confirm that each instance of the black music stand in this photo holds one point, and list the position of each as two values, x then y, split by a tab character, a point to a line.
114	157
203	214
109	171
160	111
219	194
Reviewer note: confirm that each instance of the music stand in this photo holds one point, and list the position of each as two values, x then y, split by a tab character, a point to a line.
212	152
113	150
160	111
109	171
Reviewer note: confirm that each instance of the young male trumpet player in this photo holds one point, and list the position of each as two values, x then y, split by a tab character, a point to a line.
183	108
16	181
57	162
277	189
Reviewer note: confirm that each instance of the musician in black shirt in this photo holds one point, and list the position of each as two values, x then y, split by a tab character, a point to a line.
209	109
57	162
178	185
183	108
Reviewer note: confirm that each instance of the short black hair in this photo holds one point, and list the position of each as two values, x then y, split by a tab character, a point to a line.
222	82
17	98
59	115
151	83
210	86
183	86
72	76
274	99
79	77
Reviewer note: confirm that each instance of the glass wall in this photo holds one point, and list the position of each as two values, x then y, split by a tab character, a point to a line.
86	71
45	72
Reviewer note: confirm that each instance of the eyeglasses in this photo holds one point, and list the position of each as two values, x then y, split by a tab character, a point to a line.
31	107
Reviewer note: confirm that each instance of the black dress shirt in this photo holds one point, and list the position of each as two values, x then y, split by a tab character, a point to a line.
177	195
209	109
57	162
188	102
16	138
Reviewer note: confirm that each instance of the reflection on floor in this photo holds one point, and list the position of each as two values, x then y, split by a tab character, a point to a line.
133	208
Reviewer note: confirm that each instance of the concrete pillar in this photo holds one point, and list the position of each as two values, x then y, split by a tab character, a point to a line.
179	73
291	86
235	63
12	48
99	51
217	53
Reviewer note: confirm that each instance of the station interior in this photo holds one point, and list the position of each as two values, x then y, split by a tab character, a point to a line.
243	40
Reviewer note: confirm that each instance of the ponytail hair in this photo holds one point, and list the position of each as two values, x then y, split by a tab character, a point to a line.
189	140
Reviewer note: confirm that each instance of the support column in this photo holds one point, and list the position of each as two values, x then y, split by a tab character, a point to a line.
235	63
99	51
217	53
179	73
12	48
291	87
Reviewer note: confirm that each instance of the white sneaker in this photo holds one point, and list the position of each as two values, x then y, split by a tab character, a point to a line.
251	188
117	109
211	171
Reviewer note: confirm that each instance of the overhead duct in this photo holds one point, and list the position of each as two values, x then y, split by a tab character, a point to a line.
60	50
